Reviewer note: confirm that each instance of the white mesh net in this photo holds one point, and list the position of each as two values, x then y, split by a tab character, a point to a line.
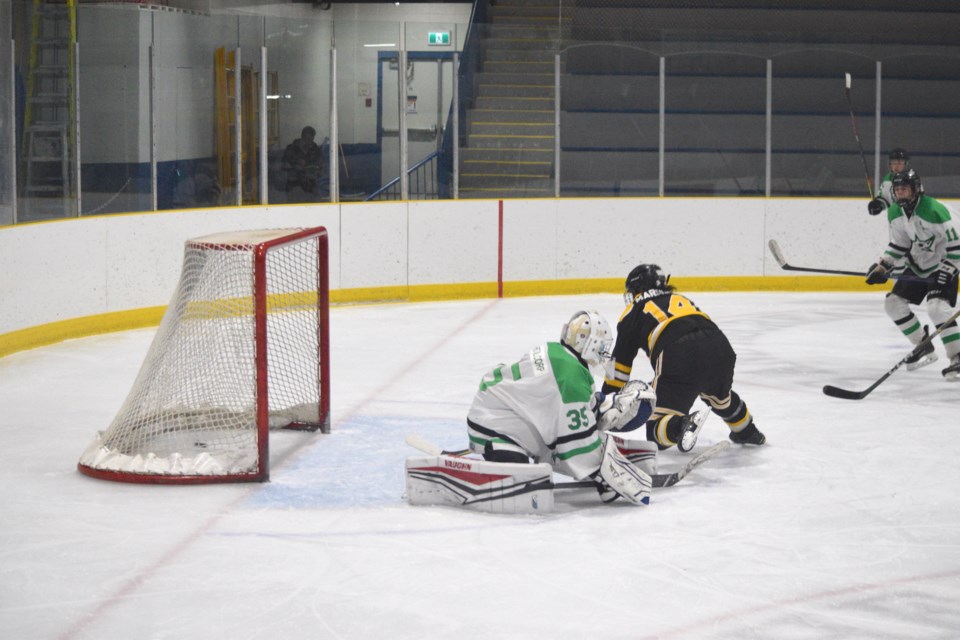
193	409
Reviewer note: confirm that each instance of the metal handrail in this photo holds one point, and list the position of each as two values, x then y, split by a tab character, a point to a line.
423	182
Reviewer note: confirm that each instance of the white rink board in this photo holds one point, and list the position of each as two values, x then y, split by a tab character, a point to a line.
453	241
531	240
75	268
372	246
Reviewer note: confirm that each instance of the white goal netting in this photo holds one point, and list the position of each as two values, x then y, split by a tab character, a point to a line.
241	349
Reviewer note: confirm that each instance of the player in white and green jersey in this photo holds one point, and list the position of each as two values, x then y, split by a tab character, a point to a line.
898	161
925	242
543	406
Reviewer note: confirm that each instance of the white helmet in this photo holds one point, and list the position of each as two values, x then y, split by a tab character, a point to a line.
590	335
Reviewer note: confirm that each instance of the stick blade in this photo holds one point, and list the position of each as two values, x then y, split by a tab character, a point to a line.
777	253
846	394
422	444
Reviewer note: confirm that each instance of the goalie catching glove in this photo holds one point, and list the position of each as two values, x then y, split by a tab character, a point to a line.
626	409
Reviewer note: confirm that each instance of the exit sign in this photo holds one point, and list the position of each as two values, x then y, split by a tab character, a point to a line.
439	38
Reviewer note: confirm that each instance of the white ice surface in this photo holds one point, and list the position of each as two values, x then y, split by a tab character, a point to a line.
846	525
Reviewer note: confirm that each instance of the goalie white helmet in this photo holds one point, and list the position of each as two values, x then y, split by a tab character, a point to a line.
590	335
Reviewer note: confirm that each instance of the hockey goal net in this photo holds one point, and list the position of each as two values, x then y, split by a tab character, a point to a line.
242	348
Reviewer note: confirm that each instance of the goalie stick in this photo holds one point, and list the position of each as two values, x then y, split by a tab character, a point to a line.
782	261
847	394
659	479
856	134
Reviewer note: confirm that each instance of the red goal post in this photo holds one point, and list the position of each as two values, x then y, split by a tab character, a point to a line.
243	348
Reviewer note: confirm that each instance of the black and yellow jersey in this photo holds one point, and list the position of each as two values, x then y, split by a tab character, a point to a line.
652	321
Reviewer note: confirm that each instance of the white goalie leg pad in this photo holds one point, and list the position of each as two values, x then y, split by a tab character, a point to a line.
492	487
635	447
633	484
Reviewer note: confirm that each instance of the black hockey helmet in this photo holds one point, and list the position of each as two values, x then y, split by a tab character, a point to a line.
908	178
899	154
643	278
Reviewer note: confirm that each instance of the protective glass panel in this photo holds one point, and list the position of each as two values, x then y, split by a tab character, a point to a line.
298	108
919	97
8	110
715	124
367	113
815	148
114	125
185	108
46	110
610	96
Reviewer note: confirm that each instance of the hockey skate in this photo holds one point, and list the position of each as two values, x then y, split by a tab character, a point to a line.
690	430
750	435
952	373
922	356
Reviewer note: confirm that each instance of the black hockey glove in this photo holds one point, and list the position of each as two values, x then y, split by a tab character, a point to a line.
876	206
946	274
878	273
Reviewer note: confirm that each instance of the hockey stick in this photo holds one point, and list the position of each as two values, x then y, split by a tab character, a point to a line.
782	261
664	479
856	134
846	394
659	479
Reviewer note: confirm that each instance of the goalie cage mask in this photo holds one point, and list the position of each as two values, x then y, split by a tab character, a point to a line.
590	336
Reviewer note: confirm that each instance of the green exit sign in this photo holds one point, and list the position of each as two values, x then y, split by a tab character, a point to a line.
439	38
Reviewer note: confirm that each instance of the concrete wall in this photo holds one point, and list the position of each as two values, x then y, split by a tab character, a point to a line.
100	268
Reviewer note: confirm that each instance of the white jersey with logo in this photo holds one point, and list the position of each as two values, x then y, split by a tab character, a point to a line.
924	238
542	403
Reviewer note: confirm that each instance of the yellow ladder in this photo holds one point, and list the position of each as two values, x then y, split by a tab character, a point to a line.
224	64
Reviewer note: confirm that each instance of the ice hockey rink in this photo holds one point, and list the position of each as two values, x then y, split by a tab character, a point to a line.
846	525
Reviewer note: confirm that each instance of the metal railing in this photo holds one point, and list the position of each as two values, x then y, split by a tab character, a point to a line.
423	182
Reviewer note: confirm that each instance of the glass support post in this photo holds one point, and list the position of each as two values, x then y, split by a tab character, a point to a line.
876	130
663	119
556	126
768	150
333	162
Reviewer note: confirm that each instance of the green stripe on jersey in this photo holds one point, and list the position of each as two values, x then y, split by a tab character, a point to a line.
497	377
582	450
515	370
573	379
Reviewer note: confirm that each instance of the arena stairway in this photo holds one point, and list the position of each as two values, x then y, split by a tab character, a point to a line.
510	128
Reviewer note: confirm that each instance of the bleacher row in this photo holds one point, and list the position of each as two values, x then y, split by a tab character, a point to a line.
715	92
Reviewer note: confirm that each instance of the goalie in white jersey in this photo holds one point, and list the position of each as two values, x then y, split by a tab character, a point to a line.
544	405
924	241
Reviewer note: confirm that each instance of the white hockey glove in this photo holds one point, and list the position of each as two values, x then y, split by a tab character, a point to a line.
626	409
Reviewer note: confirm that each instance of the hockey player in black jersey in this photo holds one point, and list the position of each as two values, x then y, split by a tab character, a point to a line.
690	356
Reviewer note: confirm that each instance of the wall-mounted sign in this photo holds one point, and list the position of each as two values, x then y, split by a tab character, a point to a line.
438	38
